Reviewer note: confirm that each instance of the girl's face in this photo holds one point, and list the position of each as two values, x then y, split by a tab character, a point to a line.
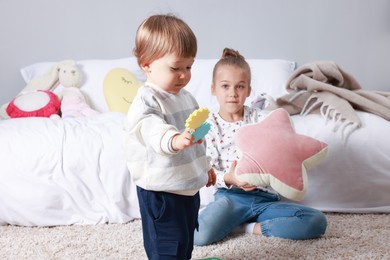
231	87
170	72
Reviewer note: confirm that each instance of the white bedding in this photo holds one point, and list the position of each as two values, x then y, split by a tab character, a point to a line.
73	171
355	176
61	172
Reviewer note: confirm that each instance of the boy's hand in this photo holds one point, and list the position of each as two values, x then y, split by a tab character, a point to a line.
230	179
212	178
183	140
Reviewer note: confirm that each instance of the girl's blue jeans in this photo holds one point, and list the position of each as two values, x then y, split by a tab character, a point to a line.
233	207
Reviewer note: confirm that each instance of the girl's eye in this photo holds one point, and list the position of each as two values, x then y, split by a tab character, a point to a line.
174	69
188	68
240	86
225	86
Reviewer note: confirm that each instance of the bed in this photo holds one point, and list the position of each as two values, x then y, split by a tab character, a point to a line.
73	171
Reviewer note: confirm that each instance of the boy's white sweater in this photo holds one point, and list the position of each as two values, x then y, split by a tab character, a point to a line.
153	119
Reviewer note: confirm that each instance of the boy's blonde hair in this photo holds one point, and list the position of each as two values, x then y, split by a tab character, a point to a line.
232	57
163	34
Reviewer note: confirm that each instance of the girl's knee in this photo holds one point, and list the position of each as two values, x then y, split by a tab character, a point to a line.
204	236
201	239
321	223
316	224
211	221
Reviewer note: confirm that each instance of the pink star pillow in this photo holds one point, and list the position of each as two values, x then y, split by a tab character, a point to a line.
273	154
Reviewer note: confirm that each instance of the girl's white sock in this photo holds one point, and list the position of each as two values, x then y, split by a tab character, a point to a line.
244	228
249	227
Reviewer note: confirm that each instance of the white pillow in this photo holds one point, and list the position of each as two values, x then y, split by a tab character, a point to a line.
268	76
94	72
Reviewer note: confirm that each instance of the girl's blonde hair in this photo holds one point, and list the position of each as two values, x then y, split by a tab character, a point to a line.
232	57
159	35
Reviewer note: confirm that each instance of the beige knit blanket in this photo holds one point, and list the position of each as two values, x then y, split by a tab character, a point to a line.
323	87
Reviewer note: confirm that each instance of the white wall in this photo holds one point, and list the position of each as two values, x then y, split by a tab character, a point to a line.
354	33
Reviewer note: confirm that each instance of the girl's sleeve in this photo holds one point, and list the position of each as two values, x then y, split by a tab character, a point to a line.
214	155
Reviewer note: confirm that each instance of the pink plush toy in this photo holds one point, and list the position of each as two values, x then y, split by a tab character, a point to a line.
273	154
73	102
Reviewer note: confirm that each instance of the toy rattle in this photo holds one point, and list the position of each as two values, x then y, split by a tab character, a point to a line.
197	121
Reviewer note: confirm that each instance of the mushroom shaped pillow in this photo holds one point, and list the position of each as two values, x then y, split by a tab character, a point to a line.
273	155
34	103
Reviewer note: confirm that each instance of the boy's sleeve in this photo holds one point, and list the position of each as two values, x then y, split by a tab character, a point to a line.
148	122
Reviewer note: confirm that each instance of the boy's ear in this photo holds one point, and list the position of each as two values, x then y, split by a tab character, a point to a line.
146	67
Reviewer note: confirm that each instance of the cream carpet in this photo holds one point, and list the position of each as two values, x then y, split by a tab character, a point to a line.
349	236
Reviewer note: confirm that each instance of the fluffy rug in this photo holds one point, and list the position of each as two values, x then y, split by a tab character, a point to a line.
349	236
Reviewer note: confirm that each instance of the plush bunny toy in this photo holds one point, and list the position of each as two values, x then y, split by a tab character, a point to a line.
64	74
73	102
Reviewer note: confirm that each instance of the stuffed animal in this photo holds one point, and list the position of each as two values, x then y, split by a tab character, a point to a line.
31	100
73	102
264	102
33	96
34	103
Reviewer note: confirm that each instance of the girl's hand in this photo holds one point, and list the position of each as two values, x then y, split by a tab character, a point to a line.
183	140
212	178
230	179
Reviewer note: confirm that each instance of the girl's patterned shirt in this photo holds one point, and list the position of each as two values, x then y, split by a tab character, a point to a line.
220	141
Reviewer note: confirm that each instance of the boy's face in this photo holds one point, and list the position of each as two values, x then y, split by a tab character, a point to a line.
231	88
170	72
